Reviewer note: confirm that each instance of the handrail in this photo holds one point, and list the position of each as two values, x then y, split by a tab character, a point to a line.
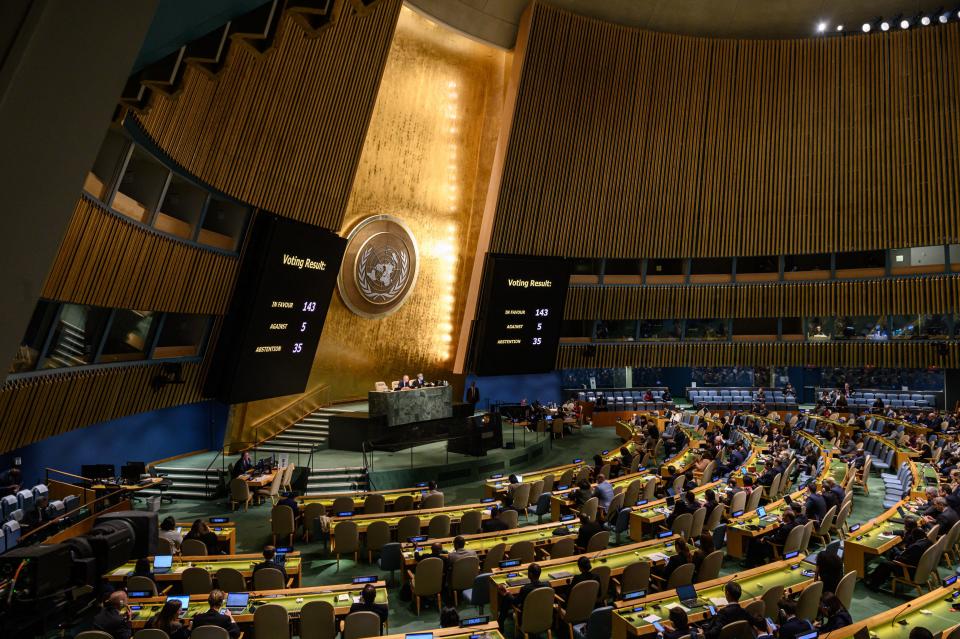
282	414
63	472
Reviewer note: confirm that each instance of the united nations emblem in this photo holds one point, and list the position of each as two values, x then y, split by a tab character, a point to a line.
379	268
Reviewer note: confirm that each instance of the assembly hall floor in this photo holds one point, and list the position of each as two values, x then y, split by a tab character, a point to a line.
253	532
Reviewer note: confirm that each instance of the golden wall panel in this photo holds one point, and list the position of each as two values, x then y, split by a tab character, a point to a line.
282	131
39	407
705	354
897	296
427	161
629	143
105	260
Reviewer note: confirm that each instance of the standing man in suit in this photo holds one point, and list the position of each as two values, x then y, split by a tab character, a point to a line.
217	615
473	396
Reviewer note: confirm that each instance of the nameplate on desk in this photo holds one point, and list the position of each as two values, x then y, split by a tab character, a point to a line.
219	520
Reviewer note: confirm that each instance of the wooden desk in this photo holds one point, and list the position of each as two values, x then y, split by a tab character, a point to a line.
148	482
560	572
211	563
496	486
644	518
392	519
542	537
930	611
389	496
561	504
259	481
741	530
342	596
226	534
875	537
924	475
487	631
628	617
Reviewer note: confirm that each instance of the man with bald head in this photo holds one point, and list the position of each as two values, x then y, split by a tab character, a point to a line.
114	618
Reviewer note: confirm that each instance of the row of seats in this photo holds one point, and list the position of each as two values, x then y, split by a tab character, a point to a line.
879	454
732	399
897	486
15	508
630	399
891	399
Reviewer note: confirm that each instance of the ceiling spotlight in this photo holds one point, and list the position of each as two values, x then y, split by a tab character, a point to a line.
944	17
821	27
904	24
884	26
925	21
839	27
866	27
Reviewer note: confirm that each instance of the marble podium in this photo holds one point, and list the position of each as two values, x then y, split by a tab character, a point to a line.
409	406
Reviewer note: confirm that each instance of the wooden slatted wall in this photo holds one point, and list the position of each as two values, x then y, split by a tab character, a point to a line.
39	407
283	132
629	143
900	296
886	355
105	260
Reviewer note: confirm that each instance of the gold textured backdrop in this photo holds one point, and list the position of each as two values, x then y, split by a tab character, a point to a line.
427	160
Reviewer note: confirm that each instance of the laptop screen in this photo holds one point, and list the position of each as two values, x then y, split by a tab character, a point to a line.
238	599
519	477
809	635
761	512
687	592
162	561
183	599
419	635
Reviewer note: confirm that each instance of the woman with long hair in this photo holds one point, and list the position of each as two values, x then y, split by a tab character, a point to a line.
168	620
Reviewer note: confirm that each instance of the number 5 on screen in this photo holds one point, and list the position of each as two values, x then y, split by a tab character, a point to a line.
303	327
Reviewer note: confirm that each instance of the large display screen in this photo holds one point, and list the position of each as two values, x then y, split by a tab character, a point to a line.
520	315
270	335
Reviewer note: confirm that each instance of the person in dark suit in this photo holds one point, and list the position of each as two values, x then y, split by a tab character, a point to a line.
494	524
944	515
404	383
114	619
679	624
418	381
200	531
588	528
792	626
836	616
269	561
586	572
286	499
367	603
730	613
914	546
516	601
710	501
832	493
682	556
815	506
473	395
688	504
829	570
243	465
761	549
217	615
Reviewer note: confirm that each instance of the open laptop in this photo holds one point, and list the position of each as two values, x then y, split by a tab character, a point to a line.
237	601
688	596
162	564
184	603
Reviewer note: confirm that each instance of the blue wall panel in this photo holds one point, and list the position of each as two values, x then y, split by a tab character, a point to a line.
510	389
143	437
